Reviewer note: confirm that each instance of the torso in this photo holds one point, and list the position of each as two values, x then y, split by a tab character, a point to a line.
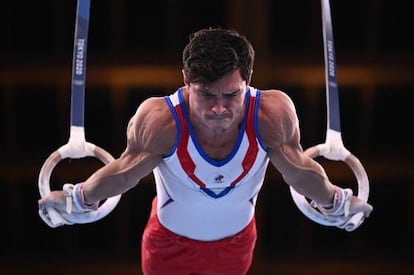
199	186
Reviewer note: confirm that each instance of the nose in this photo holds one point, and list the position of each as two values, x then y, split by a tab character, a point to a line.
218	106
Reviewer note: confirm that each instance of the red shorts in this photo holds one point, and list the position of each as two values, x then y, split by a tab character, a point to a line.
164	252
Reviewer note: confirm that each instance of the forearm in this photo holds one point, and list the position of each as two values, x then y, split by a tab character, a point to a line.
119	176
107	182
312	183
304	174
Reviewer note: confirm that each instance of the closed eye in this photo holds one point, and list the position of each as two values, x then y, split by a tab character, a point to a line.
233	94
228	95
207	94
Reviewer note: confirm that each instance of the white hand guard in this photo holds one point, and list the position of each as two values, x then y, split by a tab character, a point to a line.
53	218
75	200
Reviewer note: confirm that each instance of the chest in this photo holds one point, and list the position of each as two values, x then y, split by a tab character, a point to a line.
190	169
207	172
219	148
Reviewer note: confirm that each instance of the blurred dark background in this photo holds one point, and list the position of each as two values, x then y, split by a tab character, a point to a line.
135	52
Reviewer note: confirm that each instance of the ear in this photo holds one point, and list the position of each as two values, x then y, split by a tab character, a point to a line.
249	79
184	78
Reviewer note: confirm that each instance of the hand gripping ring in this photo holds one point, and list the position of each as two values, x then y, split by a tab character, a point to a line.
349	223
63	152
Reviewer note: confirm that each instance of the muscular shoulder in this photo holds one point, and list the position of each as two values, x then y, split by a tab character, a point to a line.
278	122
152	128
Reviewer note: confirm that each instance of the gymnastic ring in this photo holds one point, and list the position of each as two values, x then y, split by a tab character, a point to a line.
44	183
348	223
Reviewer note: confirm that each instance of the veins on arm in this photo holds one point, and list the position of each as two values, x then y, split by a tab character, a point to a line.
150	135
281	134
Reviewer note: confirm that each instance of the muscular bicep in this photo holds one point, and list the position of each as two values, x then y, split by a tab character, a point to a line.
150	135
142	153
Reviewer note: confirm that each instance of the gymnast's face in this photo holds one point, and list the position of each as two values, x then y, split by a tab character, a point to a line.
217	106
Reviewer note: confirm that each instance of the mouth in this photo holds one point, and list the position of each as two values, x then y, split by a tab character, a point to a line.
218	117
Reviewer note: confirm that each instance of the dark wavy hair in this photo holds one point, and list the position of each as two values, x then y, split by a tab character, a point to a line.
212	53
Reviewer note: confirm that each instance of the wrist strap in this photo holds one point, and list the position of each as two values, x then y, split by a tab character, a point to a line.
340	205
75	199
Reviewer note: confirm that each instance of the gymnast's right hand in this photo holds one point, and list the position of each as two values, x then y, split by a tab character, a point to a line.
51	208
55	207
70	200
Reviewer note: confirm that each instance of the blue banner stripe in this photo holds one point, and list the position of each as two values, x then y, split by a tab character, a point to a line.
83	8
79	63
332	93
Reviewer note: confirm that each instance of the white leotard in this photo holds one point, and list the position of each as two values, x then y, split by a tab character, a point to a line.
204	199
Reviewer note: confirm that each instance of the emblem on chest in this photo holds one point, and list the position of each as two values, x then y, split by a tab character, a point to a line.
217	178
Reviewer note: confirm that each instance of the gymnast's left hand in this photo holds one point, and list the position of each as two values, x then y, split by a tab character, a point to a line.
357	205
55	199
